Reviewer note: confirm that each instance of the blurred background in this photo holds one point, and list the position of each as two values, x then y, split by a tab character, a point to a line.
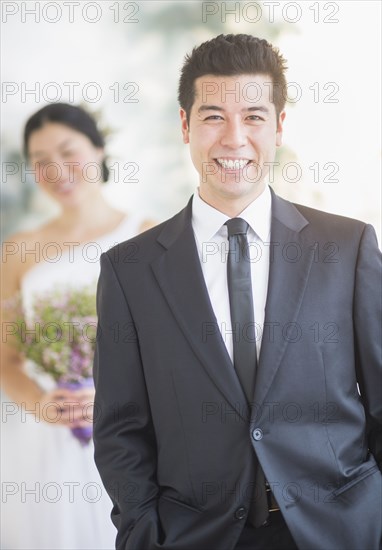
121	60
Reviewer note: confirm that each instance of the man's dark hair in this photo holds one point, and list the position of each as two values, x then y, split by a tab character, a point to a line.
229	55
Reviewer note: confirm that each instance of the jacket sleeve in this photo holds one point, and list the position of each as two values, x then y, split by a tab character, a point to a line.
125	449
368	320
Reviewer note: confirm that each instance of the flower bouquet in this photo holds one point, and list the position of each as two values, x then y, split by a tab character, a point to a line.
59	337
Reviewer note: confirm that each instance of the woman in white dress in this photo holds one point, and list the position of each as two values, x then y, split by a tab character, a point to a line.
53	497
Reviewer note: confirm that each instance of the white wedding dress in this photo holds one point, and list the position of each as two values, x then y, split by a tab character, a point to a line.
52	495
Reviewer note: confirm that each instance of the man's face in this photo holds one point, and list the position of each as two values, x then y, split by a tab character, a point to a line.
233	133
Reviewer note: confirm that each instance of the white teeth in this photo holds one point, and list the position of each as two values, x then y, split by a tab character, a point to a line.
230	164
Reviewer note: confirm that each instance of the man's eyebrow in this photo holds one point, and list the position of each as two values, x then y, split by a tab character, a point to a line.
261	108
209	108
257	108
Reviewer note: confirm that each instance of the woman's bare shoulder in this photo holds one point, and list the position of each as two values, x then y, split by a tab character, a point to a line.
147	224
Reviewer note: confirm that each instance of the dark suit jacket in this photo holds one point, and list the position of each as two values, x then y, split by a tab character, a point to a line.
174	436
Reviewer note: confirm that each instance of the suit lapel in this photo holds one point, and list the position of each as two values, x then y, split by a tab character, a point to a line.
290	262
180	277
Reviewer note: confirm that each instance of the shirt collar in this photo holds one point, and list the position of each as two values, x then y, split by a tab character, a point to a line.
207	221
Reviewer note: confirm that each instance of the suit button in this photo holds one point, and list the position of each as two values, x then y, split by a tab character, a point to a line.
257	434
241	513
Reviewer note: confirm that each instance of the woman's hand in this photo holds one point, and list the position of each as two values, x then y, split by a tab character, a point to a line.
64	407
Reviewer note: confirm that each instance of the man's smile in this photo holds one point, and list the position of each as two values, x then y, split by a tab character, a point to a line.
232	163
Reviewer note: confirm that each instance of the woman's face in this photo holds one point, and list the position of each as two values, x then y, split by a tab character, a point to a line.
66	163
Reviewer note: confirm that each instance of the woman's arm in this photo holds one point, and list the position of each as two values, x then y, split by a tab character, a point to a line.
14	380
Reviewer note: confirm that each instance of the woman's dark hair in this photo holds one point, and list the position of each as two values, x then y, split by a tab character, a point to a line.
230	55
69	115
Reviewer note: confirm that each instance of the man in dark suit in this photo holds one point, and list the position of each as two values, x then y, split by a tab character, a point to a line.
238	383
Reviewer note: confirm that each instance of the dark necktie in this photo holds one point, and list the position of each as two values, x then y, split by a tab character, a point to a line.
244	341
241	305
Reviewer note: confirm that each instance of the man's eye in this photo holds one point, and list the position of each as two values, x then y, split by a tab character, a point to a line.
255	117
68	153
214	117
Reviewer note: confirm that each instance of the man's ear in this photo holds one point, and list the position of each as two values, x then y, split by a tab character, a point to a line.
185	129
279	131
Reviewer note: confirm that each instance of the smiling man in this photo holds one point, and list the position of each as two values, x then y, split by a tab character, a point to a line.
233	130
238	375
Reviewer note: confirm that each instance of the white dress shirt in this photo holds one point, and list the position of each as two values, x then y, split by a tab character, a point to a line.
211	236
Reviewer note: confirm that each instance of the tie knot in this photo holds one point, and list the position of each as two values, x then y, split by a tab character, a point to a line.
236	226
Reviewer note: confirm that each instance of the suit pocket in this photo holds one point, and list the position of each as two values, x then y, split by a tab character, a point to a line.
355	480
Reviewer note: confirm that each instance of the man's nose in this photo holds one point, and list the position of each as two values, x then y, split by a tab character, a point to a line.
235	135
